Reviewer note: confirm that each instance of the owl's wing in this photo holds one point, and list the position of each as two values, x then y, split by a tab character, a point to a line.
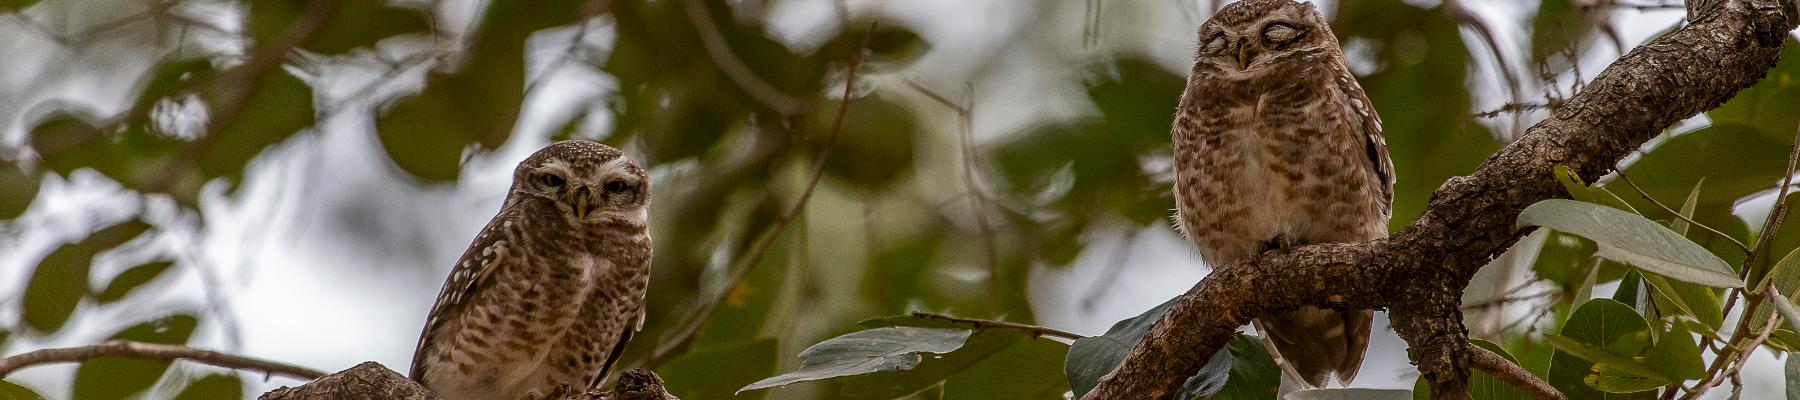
472	271
1368	125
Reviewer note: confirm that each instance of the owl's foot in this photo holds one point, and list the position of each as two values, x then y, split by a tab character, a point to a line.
1281	243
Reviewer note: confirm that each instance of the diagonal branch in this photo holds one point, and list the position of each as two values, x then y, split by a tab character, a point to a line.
1513	374
1419	273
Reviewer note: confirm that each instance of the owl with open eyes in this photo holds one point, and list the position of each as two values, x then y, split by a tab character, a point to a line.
1276	145
545	299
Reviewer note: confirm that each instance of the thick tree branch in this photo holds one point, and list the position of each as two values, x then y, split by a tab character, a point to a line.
129	349
1420	272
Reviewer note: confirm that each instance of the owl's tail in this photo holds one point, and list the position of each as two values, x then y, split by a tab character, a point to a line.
1311	344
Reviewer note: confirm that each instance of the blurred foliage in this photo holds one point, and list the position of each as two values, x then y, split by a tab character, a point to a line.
732	117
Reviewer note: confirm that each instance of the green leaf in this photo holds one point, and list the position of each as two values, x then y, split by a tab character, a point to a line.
1793	377
1026	370
1250	373
272	109
1608	378
1788	310
862	352
15	5
1680	225
14	391
1579	190
69	139
717	372
982	344
1675	355
1619	363
1350	394
21	188
876	144
213	386
61	278
1093	357
355	24
1690	299
1600	328
119	377
131	279
1629	238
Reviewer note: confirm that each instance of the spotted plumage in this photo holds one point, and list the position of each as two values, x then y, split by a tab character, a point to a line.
1276	143
552	289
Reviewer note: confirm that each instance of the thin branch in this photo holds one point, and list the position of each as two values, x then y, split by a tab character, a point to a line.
686	335
1512	374
982	323
734	68
1677	214
154	351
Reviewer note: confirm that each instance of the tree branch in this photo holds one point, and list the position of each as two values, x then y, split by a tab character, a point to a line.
1513	374
1419	273
169	352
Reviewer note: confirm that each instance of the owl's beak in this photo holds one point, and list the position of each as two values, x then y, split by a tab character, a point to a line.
1243	56
579	200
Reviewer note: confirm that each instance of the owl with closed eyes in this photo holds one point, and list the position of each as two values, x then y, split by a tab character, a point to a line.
545	299
1276	145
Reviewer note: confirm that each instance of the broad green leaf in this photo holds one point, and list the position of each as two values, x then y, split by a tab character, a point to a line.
15	5
70	139
984	343
1558	25
213	386
1690	299
1629	286
14	391
355	24
273	108
21	188
1027	370
1579	190
61	278
1784	277
131	279
1676	356
1680	225
1608	329
875	146
1482	386
880	349
1243	370
1793	376
717	372
1631	239
1093	357
1788	311
1605	358
1350	394
119	378
1608	378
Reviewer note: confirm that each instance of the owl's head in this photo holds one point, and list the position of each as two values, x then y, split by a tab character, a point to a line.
588	183
1260	35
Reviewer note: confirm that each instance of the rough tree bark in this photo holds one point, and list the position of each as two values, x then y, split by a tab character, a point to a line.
1419	274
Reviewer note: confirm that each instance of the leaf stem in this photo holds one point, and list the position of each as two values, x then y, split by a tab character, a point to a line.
982	323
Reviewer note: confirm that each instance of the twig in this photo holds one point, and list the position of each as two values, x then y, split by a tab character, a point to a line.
982	323
1677	214
965	113
1512	374
735	69
686	335
168	352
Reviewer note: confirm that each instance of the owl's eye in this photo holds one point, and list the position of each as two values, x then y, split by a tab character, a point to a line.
616	187
551	180
1279	32
1216	44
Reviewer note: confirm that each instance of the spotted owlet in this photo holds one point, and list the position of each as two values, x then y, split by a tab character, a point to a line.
1276	145
546	297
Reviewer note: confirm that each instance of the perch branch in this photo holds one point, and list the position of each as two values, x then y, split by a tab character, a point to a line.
1419	273
168	352
1513	374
